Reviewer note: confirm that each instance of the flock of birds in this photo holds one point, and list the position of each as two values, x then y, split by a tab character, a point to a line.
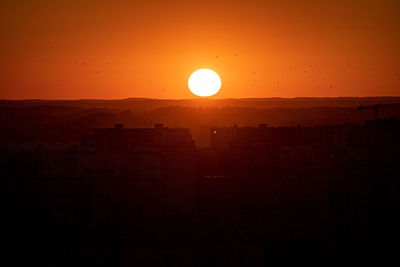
310	68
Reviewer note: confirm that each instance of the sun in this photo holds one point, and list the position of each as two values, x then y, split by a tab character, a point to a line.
204	82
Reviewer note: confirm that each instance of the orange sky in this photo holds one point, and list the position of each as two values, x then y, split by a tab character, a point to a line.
118	49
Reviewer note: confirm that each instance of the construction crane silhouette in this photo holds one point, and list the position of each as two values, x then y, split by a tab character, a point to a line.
375	107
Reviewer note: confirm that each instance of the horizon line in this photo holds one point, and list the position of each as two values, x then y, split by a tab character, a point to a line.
198	99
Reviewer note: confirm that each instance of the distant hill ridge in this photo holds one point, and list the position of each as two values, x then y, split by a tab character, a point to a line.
146	104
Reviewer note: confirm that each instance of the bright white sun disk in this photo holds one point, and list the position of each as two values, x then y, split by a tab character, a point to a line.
204	82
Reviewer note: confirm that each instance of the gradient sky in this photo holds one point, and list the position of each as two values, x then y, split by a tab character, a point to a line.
118	49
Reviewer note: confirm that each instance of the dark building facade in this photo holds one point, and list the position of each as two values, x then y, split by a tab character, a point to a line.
148	195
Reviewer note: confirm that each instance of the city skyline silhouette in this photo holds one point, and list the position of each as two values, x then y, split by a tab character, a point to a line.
211	133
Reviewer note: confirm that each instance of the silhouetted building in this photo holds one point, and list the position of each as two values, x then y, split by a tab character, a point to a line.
120	139
150	193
